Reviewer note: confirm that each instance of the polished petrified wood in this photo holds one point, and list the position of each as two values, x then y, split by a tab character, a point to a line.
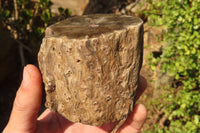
90	66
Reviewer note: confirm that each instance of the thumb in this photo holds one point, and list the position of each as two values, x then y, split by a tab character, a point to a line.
27	102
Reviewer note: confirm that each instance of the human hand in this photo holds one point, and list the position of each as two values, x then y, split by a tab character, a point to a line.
27	103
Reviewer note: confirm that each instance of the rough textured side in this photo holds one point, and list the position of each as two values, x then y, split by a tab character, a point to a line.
92	80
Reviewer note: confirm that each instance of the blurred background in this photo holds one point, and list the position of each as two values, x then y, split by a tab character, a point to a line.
171	53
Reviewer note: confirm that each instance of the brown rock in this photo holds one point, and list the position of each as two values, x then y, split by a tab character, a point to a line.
77	7
80	7
136	8
103	6
90	66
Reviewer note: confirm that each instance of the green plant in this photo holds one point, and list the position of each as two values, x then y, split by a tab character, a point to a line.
180	19
26	21
152	61
64	13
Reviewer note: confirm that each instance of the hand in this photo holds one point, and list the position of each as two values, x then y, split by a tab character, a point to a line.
27	103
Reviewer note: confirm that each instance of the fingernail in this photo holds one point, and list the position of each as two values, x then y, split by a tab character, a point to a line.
26	77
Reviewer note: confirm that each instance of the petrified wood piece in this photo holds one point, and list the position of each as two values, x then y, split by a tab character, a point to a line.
90	66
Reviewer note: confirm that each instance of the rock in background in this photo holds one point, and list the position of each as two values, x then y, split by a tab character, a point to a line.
77	7
80	7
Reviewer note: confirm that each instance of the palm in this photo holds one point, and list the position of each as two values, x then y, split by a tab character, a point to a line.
51	122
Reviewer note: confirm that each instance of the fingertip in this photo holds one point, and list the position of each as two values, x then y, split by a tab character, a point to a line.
140	113
139	116
31	76
35	73
135	120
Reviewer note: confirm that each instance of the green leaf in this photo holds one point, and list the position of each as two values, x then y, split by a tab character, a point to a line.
6	13
46	15
67	12
26	14
61	10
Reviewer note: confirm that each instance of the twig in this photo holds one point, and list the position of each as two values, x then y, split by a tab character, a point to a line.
34	14
17	40
155	108
21	53
158	114
15	34
16	11
162	120
24	46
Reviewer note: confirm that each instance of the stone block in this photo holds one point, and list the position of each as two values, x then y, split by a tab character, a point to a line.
90	66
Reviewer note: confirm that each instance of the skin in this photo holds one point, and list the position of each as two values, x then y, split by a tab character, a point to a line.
24	116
